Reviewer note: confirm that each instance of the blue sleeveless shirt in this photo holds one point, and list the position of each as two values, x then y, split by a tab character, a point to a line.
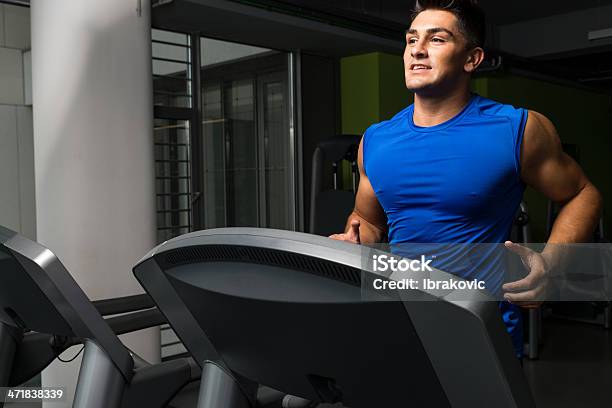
456	182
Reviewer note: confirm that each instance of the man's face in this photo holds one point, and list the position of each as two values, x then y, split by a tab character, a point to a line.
435	52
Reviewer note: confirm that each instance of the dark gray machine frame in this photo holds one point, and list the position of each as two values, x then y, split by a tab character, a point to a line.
43	310
459	345
329	206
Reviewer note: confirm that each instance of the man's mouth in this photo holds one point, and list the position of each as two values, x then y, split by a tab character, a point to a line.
419	67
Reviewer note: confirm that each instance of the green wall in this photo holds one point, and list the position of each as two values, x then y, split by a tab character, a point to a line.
372	90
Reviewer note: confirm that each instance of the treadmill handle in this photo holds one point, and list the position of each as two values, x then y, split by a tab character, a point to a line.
124	304
136	321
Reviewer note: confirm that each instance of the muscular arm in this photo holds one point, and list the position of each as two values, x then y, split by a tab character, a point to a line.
545	167
368	212
549	170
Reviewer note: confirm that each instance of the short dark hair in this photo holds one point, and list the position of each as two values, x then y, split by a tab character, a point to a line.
470	16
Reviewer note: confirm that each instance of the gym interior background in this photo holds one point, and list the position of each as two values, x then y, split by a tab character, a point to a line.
242	92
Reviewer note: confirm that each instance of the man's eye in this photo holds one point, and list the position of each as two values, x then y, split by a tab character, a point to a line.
435	39
412	41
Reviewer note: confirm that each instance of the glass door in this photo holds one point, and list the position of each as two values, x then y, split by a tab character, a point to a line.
246	149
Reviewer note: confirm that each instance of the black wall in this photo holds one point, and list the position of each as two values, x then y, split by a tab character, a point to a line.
320	112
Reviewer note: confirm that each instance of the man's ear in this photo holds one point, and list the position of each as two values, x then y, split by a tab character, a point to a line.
474	59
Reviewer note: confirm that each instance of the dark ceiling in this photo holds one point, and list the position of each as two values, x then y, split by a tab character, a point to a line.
509	12
497	12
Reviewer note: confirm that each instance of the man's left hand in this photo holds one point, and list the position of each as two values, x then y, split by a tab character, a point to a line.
528	292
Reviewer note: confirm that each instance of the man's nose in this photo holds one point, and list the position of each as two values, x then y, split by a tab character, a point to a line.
418	50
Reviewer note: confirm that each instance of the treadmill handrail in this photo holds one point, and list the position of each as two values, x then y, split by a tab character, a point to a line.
299	243
125	304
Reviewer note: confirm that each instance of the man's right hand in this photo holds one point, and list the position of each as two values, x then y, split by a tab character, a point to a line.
367	211
352	235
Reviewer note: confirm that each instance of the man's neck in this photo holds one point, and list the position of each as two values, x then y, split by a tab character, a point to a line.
433	110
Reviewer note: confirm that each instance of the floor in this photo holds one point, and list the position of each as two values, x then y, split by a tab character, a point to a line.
574	368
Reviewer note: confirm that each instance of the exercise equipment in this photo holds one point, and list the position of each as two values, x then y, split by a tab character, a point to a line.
330	205
43	311
295	312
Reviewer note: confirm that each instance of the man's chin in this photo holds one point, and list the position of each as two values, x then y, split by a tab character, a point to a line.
418	87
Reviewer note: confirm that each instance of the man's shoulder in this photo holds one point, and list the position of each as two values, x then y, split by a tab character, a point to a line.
390	123
489	110
540	133
490	107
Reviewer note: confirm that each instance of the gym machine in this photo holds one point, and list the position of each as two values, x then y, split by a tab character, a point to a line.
43	311
295	312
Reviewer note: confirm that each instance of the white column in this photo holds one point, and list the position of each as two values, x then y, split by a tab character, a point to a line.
93	147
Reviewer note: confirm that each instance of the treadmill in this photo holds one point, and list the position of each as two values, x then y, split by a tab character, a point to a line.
293	312
43	311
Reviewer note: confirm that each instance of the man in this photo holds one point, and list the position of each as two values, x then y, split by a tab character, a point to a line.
452	167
